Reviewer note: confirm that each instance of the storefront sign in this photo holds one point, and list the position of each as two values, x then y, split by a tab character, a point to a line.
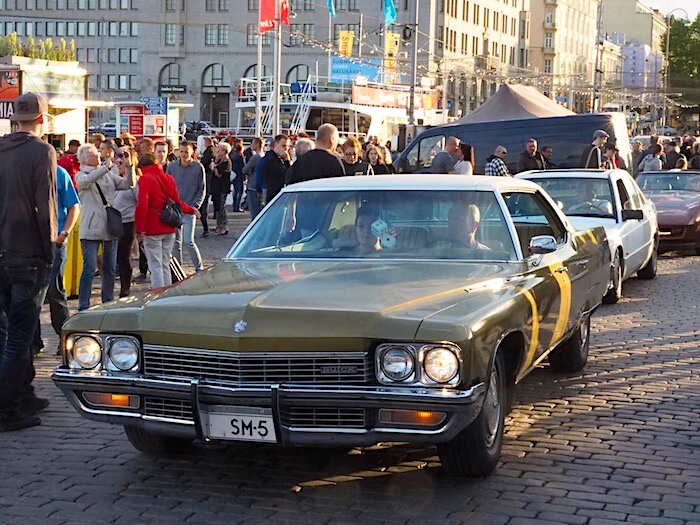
393	99
172	89
136	125
54	85
131	110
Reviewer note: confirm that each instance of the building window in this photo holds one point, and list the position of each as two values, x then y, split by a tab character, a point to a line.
124	82
294	38
548	40
170	5
170	32
548	65
123	56
169	75
209	35
134	56
353	5
123	28
80	29
134	83
253	5
91	28
216	75
60	28
309	5
222	37
134	29
40	28
113	29
91	55
223	5
309	31
182	35
465	10
112	82
112	56
210	5
299	73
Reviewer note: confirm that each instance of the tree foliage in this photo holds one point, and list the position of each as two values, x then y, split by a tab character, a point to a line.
684	52
43	49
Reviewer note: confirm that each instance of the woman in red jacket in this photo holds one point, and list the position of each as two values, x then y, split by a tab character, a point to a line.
155	187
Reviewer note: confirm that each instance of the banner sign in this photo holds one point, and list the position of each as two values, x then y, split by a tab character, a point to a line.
54	85
371	96
346	70
267	16
136	125
9	85
345	43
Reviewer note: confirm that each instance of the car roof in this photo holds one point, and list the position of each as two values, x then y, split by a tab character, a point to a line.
415	182
669	172
578	173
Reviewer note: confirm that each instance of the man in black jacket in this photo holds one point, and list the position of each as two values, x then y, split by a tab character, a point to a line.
531	159
320	162
28	224
275	167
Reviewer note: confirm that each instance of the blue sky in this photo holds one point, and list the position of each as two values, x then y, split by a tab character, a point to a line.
691	6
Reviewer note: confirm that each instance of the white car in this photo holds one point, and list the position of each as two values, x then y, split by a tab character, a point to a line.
612	199
109	129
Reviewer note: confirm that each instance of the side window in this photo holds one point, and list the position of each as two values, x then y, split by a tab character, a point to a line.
625	200
421	156
532	215
636	196
343	214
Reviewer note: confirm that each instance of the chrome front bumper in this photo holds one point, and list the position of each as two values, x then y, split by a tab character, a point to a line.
461	407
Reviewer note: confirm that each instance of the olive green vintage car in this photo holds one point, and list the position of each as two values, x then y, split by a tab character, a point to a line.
351	311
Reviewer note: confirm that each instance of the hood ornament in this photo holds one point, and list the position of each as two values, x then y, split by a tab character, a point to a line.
240	327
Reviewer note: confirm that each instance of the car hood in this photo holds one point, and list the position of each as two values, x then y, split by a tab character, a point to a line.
238	305
675	207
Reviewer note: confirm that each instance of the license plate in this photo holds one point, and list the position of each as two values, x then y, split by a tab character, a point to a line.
241	423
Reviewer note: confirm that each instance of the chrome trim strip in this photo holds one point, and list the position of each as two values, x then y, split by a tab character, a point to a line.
161	419
256	355
362	431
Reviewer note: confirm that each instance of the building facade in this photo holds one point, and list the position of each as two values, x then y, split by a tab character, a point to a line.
563	48
196	51
636	21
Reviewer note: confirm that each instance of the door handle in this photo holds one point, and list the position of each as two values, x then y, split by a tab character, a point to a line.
561	269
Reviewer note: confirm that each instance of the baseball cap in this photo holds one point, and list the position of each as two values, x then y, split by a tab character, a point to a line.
28	107
600	133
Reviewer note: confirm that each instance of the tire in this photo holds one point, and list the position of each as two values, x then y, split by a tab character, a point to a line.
697	251
476	450
156	444
572	354
615	292
648	271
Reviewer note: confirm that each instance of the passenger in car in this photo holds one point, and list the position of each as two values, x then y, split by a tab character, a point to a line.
367	241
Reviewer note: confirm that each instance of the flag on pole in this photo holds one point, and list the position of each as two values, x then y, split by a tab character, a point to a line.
284	12
331	8
389	12
267	16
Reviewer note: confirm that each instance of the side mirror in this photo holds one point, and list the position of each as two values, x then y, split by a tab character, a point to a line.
632	215
541	244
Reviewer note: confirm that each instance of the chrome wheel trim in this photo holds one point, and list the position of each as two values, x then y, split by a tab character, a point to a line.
584	332
492	409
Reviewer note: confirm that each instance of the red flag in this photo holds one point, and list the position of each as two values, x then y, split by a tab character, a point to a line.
284	12
267	15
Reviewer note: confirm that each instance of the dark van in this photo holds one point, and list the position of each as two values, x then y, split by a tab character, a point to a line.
568	136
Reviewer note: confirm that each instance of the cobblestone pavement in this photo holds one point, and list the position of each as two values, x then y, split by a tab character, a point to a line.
619	442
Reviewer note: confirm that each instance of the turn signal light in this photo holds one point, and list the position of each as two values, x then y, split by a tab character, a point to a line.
111	400
411	417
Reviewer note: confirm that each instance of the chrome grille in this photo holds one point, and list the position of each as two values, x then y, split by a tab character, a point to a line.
323	417
259	368
169	408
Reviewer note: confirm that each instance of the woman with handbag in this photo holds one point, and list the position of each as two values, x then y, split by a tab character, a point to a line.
158	210
221	184
100	223
125	203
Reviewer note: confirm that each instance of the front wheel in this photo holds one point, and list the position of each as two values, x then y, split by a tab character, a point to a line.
649	269
475	451
156	444
615	292
572	354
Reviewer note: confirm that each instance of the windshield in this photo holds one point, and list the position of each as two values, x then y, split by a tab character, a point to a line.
380	224
669	181
583	197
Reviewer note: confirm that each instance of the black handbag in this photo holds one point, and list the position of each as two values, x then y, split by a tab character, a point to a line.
172	211
114	219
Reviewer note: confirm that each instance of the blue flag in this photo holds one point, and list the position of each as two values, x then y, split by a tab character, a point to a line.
389	12
331	8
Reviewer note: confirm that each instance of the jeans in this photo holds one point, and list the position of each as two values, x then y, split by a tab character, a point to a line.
158	249
253	203
109	270
124	249
186	231
237	192
55	296
23	283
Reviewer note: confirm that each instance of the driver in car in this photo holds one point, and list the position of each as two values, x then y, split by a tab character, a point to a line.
591	202
462	223
367	242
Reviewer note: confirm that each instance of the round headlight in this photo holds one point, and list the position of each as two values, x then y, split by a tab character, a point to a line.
397	363
87	352
441	365
124	353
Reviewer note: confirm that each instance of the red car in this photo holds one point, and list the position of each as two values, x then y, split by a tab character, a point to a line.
676	195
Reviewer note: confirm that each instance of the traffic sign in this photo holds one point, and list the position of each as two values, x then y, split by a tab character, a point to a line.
155	105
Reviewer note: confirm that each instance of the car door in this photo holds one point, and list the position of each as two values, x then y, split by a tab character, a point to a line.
648	221
555	279
634	244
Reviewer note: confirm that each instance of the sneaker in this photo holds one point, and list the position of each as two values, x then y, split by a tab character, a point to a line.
140	278
13	419
205	234
32	404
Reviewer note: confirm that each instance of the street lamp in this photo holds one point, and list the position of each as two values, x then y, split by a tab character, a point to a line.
664	116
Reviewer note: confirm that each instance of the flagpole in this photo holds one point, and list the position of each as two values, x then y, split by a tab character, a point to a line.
277	72
330	42
258	94
414	69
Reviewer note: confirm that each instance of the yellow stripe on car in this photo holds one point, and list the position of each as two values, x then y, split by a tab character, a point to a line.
534	337
564	283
